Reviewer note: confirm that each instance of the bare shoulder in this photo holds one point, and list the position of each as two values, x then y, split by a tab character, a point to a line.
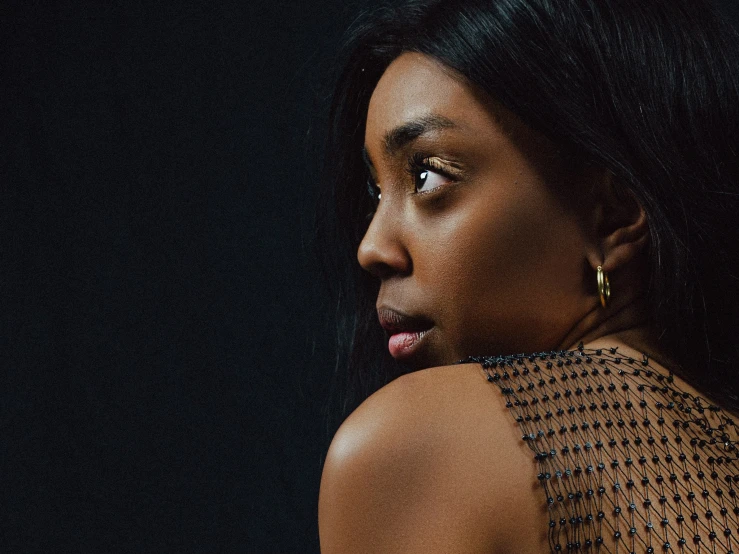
417	408
423	465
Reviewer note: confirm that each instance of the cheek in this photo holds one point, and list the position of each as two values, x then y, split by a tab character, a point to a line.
504	267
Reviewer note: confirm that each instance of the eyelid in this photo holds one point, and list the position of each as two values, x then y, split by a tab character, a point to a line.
444	167
422	162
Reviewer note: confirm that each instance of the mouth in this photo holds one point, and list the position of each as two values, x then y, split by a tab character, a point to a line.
406	332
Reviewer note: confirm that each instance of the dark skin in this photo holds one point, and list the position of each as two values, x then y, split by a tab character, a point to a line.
482	252
495	242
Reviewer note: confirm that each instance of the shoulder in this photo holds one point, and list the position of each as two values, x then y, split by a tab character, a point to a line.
415	419
416	408
420	465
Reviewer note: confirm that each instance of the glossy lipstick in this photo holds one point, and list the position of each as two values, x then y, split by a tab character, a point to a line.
405	331
402	345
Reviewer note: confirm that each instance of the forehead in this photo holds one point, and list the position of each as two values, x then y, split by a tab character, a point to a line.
415	86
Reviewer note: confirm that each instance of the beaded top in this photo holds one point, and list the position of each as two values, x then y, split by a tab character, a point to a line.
628	463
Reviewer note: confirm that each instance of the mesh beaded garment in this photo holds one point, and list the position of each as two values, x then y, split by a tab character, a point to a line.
628	462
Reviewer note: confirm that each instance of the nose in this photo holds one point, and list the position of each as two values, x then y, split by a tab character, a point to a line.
383	251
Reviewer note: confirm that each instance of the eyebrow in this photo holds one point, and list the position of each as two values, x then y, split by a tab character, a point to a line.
406	133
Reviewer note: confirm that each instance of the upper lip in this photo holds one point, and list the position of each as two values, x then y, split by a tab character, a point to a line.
394	321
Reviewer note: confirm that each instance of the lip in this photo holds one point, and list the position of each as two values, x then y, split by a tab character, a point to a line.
406	331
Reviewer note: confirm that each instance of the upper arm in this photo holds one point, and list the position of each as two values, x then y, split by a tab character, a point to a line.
368	499
406	473
372	492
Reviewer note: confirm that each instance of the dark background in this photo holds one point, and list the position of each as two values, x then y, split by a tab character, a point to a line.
165	356
165	359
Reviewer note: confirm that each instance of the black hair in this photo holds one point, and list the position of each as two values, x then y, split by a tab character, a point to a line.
646	89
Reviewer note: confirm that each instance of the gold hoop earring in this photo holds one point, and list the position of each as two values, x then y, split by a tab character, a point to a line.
604	287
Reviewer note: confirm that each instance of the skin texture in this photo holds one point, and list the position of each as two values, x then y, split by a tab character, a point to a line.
500	256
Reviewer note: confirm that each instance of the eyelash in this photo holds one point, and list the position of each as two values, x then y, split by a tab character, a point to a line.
373	190
419	162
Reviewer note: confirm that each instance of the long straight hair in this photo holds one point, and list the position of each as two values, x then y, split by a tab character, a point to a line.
647	89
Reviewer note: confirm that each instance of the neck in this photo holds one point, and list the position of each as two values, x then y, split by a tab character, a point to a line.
623	324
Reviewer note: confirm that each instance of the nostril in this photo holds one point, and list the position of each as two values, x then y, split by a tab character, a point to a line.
382	271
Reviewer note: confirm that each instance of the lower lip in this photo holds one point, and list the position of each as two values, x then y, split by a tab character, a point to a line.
402	345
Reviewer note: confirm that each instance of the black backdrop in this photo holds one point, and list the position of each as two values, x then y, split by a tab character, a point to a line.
163	371
164	365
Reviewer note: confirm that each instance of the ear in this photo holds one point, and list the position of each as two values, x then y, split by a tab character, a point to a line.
620	226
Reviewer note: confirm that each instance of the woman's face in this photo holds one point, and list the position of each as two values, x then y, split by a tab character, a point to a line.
472	237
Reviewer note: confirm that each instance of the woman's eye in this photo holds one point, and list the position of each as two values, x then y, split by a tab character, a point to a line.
430	172
373	190
427	180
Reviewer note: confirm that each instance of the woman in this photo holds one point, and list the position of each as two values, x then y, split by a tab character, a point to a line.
551	178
